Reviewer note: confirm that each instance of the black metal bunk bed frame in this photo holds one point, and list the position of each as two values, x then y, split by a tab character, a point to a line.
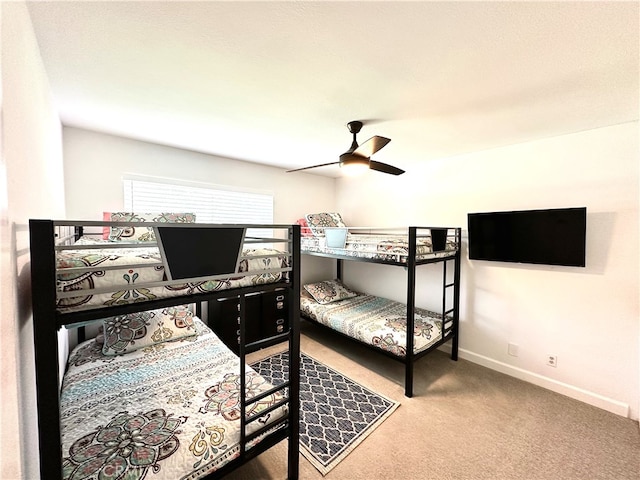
448	333
47	321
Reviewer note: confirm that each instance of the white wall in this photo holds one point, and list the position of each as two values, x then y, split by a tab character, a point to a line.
94	164
588	317
31	183
569	312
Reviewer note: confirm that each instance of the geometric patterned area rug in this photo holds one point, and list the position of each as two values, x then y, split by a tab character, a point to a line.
336	413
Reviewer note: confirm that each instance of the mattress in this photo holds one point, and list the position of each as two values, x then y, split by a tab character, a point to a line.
376	321
169	412
381	247
103	275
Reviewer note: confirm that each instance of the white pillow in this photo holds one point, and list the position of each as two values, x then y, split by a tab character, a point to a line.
329	291
133	331
317	222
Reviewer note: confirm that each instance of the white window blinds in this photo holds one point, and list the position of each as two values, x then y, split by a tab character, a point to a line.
210	204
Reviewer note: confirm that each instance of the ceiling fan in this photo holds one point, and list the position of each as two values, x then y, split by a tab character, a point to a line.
359	155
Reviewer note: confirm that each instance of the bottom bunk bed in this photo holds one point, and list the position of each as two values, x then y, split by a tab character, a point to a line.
378	323
165	410
158	394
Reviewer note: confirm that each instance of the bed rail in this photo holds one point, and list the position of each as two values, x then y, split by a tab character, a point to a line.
142	271
383	245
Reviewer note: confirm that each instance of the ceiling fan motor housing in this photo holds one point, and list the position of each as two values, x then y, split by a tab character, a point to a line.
355	126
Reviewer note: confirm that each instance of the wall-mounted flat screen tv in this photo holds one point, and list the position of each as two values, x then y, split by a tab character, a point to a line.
546	237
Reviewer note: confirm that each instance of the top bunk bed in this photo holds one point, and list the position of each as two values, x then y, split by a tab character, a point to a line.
326	235
97	268
151	278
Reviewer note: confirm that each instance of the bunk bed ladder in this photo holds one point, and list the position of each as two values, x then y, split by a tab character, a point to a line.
454	311
292	385
447	332
451	312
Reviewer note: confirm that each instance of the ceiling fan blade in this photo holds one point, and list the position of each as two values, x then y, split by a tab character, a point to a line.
371	146
384	168
313	166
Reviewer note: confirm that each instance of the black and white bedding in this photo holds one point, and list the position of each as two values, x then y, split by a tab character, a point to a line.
384	247
134	406
373	320
110	273
379	244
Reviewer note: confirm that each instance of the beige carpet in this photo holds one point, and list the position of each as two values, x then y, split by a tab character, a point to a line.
465	422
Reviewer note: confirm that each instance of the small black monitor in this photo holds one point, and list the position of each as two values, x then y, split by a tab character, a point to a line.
548	237
193	252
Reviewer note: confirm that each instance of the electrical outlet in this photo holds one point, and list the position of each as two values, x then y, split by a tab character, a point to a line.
552	360
512	349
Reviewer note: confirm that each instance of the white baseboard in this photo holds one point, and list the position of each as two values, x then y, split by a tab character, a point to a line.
591	398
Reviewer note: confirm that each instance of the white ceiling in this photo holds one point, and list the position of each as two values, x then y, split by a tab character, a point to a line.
276	82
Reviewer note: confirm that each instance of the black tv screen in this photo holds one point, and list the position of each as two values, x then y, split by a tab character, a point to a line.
546	237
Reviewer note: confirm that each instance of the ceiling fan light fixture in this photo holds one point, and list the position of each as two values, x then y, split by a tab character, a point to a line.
353	164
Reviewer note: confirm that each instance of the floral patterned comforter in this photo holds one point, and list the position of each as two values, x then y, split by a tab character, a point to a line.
138	266
376	321
165	412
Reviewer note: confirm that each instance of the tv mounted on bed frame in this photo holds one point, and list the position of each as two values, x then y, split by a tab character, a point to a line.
546	237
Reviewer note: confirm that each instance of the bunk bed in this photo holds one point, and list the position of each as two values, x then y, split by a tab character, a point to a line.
157	393
376	322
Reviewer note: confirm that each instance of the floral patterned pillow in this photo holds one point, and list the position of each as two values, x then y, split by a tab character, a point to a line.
142	234
133	331
319	221
329	291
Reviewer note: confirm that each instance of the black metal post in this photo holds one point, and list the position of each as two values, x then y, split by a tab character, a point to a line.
411	300
45	328
456	296
294	359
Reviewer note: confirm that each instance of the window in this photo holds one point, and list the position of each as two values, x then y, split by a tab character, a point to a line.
210	203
